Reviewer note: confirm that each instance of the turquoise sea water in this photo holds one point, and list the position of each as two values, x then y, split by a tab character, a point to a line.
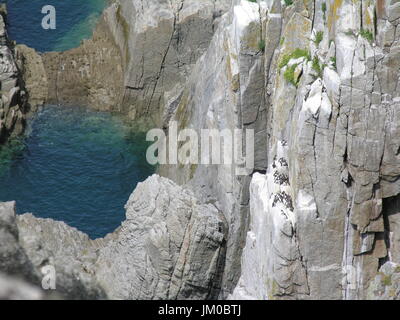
75	165
75	20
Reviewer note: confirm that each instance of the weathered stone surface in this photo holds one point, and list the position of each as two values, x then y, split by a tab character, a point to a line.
320	218
17	289
386	285
34	76
13	259
141	53
13	107
70	252
225	91
169	247
90	75
341	131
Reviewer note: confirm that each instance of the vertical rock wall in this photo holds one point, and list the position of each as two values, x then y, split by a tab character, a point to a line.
13	102
226	91
332	103
138	59
318	81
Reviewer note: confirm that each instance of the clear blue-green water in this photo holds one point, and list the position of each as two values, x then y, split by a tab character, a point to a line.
75	20
75	165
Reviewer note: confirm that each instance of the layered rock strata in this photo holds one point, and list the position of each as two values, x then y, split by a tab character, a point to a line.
169	247
13	102
139	57
318	216
324	218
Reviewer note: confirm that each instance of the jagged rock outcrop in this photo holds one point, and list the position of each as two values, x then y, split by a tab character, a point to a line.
139	57
226	91
28	244
17	289
316	218
13	106
332	100
13	258
71	253
90	75
34	76
169	246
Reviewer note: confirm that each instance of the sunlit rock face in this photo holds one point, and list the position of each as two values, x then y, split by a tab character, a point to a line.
13	103
335	108
171	246
318	217
138	59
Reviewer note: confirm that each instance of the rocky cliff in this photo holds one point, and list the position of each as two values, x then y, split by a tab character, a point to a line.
139	57
170	246
324	218
317	218
318	82
13	103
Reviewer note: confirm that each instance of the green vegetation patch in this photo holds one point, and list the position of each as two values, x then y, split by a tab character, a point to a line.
319	37
387	280
261	45
297	53
289	75
318	67
333	60
366	34
323	8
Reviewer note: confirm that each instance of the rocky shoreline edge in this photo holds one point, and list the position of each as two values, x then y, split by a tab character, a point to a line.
317	218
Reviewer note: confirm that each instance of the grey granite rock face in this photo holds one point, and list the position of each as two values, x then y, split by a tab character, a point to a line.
17	289
317	218
165	38
226	91
13	106
13	258
70	252
90	75
169	247
34	77
336	117
148	49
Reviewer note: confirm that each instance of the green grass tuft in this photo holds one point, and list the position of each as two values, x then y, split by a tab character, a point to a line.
288	2
367	35
297	53
317	67
261	45
289	74
319	37
333	60
323	7
387	280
